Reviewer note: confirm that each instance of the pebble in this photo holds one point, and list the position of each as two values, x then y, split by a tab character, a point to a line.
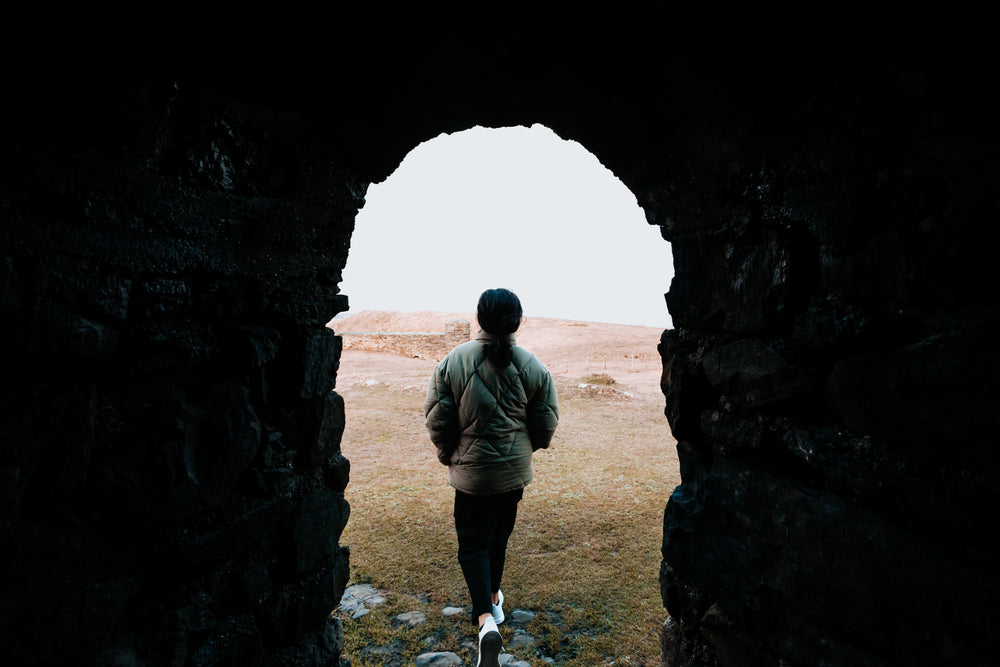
359	599
451	611
521	638
438	659
521	617
387	655
410	618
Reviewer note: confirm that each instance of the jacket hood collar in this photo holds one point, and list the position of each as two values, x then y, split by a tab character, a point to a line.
487	336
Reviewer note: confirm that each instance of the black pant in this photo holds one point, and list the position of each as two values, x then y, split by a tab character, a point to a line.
483	525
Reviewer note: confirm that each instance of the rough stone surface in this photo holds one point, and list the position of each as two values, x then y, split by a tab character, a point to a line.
359	599
508	660
521	639
408	619
438	659
176	210
521	617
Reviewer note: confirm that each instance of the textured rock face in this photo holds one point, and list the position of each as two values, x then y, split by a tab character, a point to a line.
176	212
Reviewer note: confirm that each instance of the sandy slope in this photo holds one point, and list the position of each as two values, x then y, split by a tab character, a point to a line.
571	349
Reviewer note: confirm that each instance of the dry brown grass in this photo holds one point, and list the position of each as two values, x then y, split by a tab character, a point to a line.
586	545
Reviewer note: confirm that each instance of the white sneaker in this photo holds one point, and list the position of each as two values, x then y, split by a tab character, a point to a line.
498	609
490	643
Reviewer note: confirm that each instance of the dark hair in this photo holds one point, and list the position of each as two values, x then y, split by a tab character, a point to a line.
499	314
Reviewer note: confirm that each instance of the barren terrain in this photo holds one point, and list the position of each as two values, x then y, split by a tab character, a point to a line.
571	349
584	558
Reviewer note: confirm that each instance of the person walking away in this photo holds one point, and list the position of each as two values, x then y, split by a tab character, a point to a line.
490	405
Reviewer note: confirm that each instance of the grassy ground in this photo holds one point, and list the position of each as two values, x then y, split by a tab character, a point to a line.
584	554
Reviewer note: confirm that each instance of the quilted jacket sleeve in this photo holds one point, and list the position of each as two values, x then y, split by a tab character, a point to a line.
441	415
543	412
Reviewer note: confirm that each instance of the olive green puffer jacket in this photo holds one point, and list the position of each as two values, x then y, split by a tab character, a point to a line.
486	423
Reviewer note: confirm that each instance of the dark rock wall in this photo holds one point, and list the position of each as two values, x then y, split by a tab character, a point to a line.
177	200
173	489
828	379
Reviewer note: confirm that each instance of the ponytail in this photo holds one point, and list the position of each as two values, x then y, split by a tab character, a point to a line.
499	352
499	314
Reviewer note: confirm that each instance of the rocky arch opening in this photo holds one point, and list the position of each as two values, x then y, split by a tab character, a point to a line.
176	220
540	215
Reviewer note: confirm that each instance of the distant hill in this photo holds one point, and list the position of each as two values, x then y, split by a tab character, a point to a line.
566	346
387	320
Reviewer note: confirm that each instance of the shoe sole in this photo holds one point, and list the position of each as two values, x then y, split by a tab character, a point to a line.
489	649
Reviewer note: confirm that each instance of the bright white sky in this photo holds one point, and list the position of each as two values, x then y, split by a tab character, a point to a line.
515	207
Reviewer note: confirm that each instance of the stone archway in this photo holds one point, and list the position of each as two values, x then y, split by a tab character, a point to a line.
177	211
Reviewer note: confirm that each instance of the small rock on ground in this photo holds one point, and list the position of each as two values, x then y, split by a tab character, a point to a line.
521	617
359	599
438	659
521	638
387	655
410	618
